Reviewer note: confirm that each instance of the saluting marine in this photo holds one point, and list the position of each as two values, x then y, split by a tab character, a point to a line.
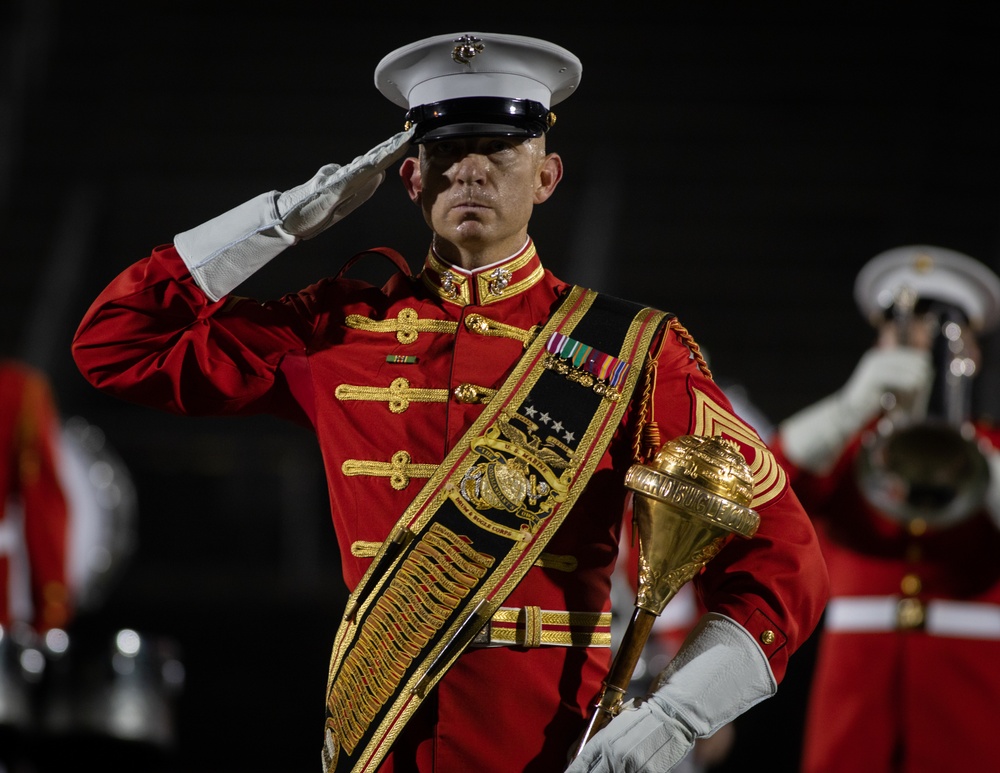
476	423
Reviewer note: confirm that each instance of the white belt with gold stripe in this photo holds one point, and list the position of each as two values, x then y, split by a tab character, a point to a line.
938	617
534	627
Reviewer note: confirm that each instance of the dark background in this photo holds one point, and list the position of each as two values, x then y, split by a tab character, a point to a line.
733	163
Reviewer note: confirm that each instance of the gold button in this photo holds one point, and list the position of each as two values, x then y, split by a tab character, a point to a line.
768	637
910	614
476	323
466	393
911	585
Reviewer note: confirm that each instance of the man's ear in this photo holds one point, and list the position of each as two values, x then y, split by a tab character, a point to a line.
409	173
549	175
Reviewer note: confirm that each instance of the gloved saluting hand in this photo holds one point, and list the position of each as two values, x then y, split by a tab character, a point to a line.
814	437
225	251
717	674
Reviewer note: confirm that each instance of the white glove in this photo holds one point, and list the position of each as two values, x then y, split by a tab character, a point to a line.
906	372
814	438
718	673
223	252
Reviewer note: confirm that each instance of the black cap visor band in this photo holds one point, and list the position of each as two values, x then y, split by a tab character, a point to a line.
478	116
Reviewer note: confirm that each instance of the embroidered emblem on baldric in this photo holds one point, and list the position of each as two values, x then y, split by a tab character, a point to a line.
518	472
398	394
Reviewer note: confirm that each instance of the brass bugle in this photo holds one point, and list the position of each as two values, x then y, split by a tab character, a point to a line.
688	504
921	465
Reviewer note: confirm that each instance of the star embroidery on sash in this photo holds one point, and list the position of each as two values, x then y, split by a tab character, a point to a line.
556	425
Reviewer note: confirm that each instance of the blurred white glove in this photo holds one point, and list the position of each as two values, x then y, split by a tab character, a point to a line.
223	252
904	371
718	673
814	438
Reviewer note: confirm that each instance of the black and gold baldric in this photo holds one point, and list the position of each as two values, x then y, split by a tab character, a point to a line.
480	522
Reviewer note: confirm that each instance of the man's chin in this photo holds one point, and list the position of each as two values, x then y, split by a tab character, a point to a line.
470	231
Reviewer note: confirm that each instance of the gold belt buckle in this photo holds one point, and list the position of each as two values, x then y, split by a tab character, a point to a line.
910	615
531	636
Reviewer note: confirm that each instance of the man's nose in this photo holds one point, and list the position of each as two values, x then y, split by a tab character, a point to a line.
470	168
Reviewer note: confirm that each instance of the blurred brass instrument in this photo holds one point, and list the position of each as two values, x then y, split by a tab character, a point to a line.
688	504
922	465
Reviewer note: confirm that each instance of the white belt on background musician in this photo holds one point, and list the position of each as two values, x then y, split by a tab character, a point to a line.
937	617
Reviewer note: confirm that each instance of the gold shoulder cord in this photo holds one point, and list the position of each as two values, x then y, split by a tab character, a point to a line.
647	439
688	339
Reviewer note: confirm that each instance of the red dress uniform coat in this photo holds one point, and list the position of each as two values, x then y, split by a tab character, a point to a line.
390	379
906	678
30	483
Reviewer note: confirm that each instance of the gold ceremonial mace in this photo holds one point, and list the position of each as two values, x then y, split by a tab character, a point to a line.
691	502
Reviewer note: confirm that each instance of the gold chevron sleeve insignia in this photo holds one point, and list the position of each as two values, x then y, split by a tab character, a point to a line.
712	419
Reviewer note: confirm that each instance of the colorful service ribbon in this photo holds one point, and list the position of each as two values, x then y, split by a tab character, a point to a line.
608	369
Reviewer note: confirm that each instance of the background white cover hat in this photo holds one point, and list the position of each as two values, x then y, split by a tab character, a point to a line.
478	83
932	273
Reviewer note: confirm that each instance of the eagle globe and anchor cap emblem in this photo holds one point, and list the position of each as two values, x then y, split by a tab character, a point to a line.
467	47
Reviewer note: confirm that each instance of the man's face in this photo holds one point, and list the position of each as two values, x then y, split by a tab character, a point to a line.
477	193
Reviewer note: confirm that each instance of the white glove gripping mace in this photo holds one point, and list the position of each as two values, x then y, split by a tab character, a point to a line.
688	505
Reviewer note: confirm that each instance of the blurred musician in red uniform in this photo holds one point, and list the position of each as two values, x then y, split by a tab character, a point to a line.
33	505
34	566
904	485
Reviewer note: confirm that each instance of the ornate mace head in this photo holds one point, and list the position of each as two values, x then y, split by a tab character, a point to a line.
688	504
